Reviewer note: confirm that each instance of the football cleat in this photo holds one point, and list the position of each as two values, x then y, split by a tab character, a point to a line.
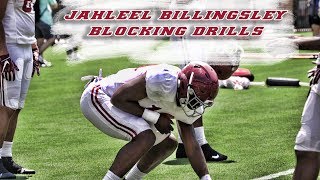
15	168
209	153
4	173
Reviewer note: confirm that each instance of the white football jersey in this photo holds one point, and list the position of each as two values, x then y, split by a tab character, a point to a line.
161	88
19	22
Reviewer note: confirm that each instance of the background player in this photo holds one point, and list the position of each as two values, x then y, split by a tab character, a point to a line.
138	104
16	63
307	146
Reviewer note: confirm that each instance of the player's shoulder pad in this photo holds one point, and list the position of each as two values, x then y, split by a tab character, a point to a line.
161	82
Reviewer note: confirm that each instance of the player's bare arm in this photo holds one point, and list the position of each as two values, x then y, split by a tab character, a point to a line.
127	96
36	62
193	149
3	48
7	67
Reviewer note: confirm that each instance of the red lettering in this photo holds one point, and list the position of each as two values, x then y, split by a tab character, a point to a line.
257	31
197	15
232	15
255	15
244	15
268	15
212	31
244	32
231	31
180	31
95	31
135	14
145	15
109	15
165	15
106	32
281	14
132	31
84	15
198	31
218	15
185	15
123	15
120	31
70	16
223	31
145	31
97	15
167	31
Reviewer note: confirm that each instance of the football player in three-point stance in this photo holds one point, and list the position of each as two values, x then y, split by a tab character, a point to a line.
137	105
17	43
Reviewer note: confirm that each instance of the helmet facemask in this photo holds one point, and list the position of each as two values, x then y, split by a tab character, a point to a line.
192	105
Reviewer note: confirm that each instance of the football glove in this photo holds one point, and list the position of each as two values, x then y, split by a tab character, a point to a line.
36	62
316	76
311	72
8	68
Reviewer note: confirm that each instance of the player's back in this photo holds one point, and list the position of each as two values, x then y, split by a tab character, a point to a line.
161	88
161	77
19	22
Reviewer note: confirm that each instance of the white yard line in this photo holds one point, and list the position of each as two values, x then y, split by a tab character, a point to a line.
271	176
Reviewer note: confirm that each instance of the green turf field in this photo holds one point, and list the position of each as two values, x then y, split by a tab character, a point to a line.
256	128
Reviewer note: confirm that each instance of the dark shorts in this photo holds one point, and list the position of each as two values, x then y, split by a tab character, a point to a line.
43	30
315	19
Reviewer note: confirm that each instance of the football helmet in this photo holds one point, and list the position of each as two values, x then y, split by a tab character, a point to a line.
224	71
197	88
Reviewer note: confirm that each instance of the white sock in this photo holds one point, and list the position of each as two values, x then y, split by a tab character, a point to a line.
199	133
111	176
0	152
6	149
135	173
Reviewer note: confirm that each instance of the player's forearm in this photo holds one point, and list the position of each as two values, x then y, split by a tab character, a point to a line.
197	159
3	46
193	149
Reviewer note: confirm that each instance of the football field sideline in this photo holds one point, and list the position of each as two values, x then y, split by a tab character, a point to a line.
276	175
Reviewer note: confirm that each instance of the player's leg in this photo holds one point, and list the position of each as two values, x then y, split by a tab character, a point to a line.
25	70
5	114
209	153
11	90
6	153
129	154
153	158
308	165
97	108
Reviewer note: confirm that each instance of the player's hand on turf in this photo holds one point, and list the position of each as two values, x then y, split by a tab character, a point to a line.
164	124
8	67
36	62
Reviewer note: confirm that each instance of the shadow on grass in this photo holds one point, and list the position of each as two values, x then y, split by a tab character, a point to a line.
23	177
184	161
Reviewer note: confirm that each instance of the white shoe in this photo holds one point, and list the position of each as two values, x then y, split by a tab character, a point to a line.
74	56
46	63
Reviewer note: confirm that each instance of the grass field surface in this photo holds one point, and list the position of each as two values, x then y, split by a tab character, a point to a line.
256	128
